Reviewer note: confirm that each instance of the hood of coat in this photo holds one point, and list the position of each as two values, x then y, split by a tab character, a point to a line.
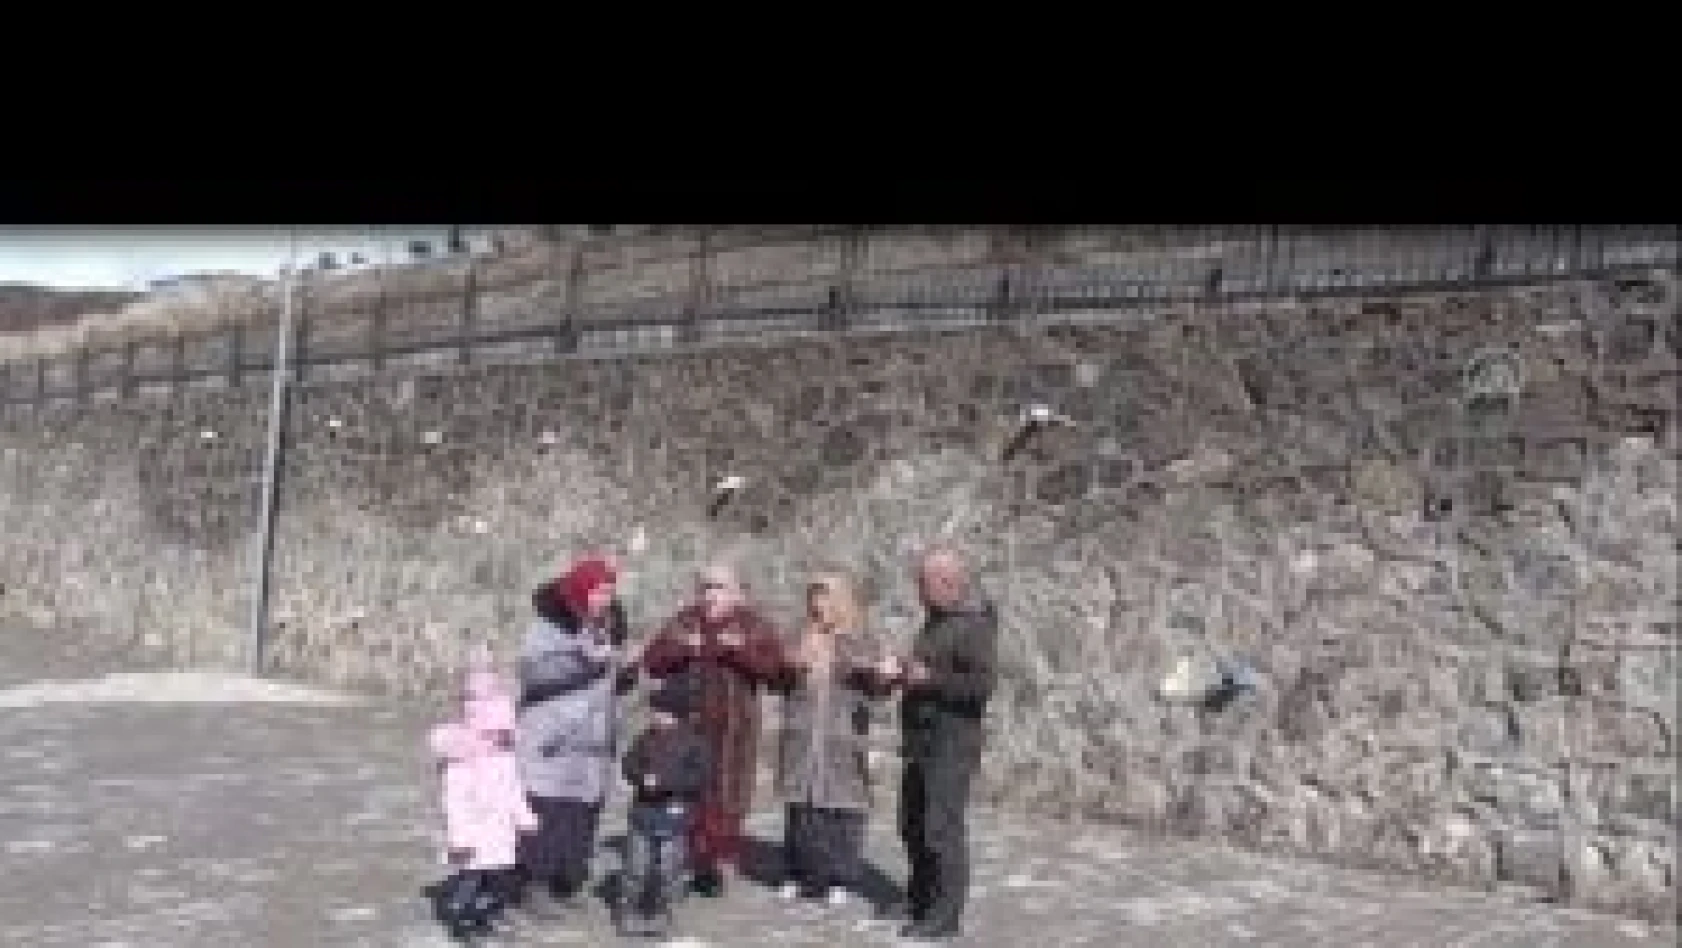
484	683
552	608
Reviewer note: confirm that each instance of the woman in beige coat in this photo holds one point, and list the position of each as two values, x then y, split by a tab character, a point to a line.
829	687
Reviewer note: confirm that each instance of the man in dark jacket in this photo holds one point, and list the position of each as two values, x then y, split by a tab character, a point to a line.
947	683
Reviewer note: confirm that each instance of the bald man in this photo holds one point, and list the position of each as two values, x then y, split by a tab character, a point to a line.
947	683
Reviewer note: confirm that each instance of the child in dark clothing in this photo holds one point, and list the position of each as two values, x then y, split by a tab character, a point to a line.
667	766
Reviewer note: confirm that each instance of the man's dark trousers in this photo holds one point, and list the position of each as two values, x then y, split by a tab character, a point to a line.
934	797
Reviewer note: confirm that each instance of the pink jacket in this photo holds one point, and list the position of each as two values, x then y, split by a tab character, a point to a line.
485	807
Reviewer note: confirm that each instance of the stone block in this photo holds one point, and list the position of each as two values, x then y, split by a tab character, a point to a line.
1545	573
1600	731
1064	485
1647	679
1645	794
1532	858
1491	451
1386	486
841	447
1643	878
1488	731
1522	795
1535	678
1630	340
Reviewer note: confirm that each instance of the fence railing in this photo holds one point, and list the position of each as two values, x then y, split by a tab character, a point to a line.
1019	277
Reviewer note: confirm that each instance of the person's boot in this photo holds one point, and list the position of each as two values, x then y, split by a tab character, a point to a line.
930	929
458	906
708	882
541	904
490	910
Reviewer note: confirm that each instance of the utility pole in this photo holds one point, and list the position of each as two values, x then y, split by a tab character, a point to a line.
263	553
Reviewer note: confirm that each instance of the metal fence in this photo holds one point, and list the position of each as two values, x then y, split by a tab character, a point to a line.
1022	275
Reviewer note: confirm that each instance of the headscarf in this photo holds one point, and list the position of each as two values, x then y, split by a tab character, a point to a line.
582	579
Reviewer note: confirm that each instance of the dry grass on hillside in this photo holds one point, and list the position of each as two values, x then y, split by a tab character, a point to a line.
208	306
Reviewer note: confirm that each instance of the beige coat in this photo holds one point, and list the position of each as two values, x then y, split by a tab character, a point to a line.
823	747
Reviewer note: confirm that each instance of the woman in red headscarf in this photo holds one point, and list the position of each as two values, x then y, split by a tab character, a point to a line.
733	653
571	672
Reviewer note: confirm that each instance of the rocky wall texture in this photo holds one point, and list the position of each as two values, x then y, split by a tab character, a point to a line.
1441	529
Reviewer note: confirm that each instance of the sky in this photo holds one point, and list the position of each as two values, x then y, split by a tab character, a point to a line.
130	258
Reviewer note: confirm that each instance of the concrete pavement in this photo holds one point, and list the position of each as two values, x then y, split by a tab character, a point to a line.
162	811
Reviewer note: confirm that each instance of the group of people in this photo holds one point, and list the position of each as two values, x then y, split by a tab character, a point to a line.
527	769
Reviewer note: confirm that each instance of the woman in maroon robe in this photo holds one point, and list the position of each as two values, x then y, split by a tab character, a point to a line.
734	653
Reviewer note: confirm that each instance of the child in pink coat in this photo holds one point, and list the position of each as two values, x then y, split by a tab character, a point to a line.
484	804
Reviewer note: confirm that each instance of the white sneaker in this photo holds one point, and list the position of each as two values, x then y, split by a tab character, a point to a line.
789	892
838	897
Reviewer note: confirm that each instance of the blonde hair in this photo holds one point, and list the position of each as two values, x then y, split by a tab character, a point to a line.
844	603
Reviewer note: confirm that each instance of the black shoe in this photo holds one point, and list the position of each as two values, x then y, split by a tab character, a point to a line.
897	910
544	906
468	929
708	884
928	931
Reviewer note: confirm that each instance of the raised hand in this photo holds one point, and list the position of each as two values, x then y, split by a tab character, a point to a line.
601	649
889	667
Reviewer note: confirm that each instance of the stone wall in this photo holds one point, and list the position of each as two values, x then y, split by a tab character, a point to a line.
1463	611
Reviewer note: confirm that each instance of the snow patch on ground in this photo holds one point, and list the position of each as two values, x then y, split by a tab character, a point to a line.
182	687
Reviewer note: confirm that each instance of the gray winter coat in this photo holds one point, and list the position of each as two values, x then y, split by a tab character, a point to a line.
567	735
823	748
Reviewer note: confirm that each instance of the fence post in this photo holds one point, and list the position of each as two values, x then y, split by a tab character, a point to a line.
131	356
300	354
1001	248
566	327
377	328
1270	259
79	365
236	353
177	363
469	317
697	285
1013	253
843	295
1483	265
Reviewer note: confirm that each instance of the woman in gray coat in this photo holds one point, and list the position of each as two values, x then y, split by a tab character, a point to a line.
823	768
571	673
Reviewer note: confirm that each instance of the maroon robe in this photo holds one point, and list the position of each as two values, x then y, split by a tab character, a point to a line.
731	681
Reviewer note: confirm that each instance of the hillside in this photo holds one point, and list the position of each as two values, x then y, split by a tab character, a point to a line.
26	308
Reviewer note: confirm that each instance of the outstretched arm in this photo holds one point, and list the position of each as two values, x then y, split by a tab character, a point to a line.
760	655
668	652
867	676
